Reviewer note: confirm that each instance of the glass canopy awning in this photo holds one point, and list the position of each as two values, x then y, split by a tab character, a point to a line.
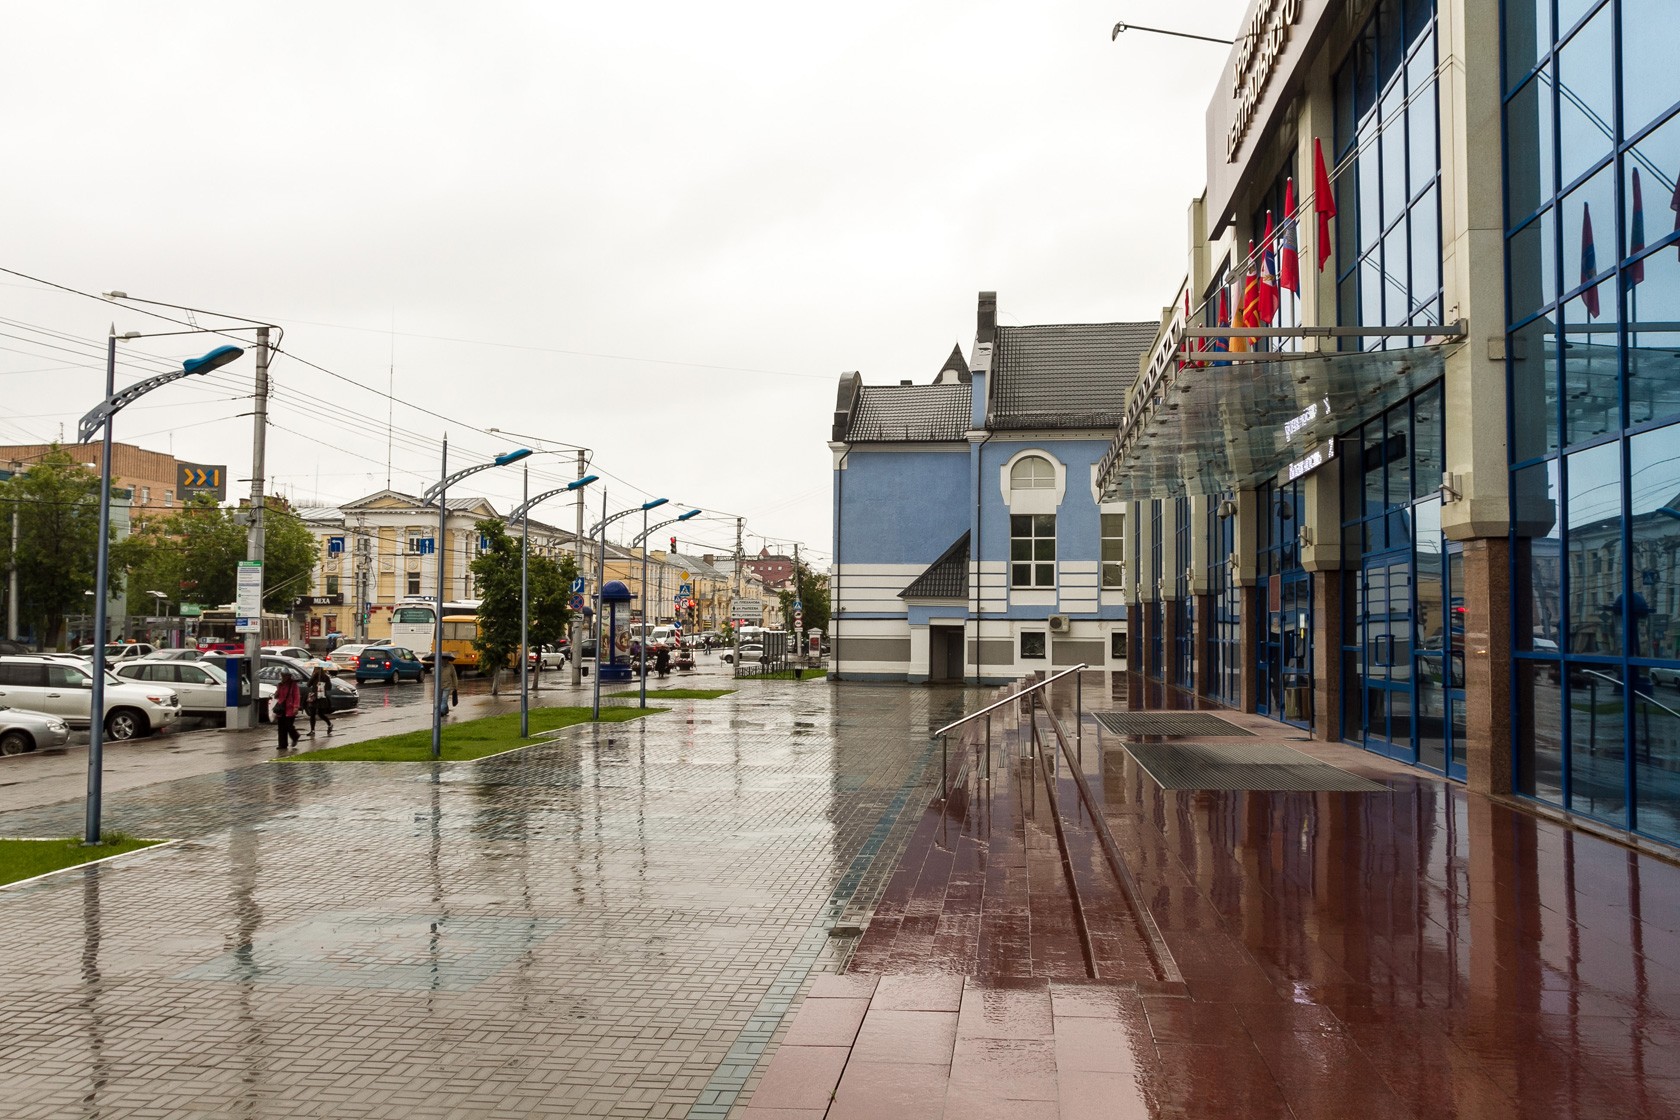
1215	428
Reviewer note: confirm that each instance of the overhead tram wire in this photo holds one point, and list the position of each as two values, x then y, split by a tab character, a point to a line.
279	349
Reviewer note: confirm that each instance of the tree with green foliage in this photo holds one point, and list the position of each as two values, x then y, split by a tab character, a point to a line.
811	589
57	505
496	571
194	554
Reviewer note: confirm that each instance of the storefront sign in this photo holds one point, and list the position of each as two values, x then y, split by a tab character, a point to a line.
1311	461
1258	50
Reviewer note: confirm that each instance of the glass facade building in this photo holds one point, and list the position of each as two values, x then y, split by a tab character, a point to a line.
1591	111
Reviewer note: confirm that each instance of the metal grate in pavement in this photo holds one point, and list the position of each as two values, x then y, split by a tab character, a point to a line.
1264	766
1168	723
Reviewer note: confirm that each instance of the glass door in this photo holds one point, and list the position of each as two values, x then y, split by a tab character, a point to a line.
1385	625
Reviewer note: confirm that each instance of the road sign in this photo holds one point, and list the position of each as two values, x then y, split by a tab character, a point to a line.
686	589
750	609
577	586
798	606
247	597
577	602
686	577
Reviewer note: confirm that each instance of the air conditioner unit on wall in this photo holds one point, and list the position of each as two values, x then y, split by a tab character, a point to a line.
1059	624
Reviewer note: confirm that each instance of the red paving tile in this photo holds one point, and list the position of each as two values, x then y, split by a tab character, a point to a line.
916	1037
801	1077
826	1022
1418	953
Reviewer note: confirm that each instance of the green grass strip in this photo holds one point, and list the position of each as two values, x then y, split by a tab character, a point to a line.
474	738
25	859
679	693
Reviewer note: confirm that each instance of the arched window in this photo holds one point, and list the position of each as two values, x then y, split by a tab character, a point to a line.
1032	472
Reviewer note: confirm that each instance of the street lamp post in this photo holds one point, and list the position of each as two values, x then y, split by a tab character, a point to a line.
601	553
524	512
102	416
441	491
642	540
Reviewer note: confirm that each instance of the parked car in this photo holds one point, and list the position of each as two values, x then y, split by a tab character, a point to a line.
22	731
550	657
117	651
344	658
65	689
288	651
388	663
201	686
1664	675
9	648
750	652
174	655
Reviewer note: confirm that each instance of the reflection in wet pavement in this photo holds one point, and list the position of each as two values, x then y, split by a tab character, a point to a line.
617	920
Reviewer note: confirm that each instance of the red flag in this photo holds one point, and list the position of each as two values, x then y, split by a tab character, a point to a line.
1268	276
1674	205
1324	202
1589	262
1289	256
1636	271
1250	309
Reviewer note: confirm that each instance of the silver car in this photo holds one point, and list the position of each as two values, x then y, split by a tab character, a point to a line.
22	731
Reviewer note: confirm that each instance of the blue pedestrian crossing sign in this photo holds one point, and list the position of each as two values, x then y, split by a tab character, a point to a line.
577	586
686	589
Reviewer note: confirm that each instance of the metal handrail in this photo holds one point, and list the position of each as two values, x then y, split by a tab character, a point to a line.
1620	683
1011	698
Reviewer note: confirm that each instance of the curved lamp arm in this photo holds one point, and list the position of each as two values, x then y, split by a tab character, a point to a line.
499	461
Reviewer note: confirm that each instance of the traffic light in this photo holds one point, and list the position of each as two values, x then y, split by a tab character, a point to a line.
673	544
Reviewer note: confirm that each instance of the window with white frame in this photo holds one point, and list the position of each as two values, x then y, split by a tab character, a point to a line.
413	583
416	541
1032	472
1032	550
1113	551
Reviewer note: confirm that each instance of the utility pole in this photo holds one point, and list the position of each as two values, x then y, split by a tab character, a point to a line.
798	607
12	583
577	616
254	534
740	527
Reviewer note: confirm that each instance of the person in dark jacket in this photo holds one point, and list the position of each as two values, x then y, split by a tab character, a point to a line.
318	700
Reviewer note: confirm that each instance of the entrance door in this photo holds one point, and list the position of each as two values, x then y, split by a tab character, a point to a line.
1385	624
1285	650
945	653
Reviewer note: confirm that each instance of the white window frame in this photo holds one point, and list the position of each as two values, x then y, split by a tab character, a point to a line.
1041	570
1116	566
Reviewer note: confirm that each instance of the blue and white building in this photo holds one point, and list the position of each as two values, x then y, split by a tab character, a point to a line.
970	540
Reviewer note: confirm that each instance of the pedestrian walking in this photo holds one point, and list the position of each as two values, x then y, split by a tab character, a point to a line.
447	682
318	700
287	699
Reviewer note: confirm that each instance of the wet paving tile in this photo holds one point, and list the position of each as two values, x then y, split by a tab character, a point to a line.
617	923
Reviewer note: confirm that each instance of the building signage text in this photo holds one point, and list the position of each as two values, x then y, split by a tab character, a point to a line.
1292	428
1258	52
1311	461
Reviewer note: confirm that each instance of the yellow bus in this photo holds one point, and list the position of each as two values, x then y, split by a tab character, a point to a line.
459	630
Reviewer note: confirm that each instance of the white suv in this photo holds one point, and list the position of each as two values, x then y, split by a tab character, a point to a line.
118	651
65	689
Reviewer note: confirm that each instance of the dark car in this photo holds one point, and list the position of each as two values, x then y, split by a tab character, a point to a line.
342	693
389	664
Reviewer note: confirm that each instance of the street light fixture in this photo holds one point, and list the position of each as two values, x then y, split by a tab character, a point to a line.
440	491
642	540
101	416
601	552
524	512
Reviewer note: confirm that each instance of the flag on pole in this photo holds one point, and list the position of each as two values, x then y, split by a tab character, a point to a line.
1636	239
1249	311
1268	276
1324	202
1589	262
1289	254
1222	345
1238	344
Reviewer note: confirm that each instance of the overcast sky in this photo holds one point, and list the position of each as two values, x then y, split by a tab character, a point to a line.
657	230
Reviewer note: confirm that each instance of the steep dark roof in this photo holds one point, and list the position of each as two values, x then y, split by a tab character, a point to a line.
945	578
910	413
1067	376
957	362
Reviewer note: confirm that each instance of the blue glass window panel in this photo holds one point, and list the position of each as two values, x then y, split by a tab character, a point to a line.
1657	159
1391	42
1347	295
1599	193
1428	442
1347	222
1593	549
1654	523
1426	251
1540	731
1396	277
1591	367
1369	185
1528	36
1569	13
1650	81
1422	154
1370	295
1420	20
1597	742
1344	109
1533	263
1537	518
1533	350
1656	735
1393	144
1653	343
1586	98
1530	181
